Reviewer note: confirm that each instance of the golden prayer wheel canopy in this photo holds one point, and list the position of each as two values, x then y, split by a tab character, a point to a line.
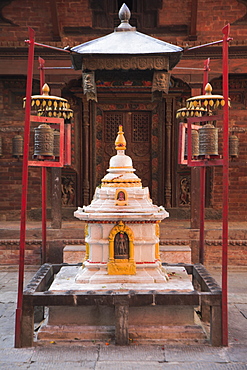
43	141
208	100
208	140
233	146
17	146
191	112
50	106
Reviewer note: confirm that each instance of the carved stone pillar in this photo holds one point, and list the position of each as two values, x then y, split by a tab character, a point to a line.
168	146
85	150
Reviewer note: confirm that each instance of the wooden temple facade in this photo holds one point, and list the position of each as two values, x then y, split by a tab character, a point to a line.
123	96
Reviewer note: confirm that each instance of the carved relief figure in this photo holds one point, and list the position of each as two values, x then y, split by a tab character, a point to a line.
121	246
68	192
89	86
184	191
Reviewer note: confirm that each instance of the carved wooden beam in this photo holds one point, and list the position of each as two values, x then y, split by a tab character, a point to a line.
54	19
193	23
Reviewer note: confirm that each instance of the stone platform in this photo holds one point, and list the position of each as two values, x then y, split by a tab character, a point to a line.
121	312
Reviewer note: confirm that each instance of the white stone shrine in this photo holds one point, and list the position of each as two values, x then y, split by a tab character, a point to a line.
122	228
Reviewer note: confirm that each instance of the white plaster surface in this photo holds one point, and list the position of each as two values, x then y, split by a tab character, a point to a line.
65	280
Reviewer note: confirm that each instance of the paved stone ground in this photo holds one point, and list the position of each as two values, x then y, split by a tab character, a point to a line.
102	356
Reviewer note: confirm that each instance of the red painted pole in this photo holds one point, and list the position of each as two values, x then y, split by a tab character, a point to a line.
24	188
202	212
203	180
226	31
43	189
44	173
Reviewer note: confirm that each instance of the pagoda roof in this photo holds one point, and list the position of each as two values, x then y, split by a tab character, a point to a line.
125	40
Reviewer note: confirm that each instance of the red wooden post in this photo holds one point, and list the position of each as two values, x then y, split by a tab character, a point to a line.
202	212
203	180
24	188
226	31
44	173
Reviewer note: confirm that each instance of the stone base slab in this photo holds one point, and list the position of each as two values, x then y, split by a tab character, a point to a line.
189	334
78	279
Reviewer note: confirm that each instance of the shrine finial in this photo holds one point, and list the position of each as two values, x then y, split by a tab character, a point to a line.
120	143
124	16
124	13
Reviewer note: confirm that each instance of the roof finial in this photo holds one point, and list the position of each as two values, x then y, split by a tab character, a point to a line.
124	16
120	143
124	13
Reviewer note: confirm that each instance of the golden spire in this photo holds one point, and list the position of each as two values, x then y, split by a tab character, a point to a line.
120	143
45	89
208	89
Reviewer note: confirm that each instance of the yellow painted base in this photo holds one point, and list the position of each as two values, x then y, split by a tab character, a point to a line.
121	267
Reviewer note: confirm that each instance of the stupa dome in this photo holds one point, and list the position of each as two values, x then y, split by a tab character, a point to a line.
120	161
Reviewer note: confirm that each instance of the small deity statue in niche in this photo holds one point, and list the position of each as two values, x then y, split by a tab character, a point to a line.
121	198
121	195
121	246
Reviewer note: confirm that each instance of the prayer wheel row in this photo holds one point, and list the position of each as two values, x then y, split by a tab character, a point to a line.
204	142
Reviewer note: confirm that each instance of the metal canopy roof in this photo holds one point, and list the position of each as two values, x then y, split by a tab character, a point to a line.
125	40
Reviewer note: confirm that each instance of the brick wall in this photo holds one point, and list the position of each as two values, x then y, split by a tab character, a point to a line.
11	124
212	16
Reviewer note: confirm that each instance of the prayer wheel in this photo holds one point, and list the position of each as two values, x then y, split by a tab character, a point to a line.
56	148
208	140
233	146
43	140
17	146
194	144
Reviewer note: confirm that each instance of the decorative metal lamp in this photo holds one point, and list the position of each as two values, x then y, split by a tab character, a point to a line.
17	146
